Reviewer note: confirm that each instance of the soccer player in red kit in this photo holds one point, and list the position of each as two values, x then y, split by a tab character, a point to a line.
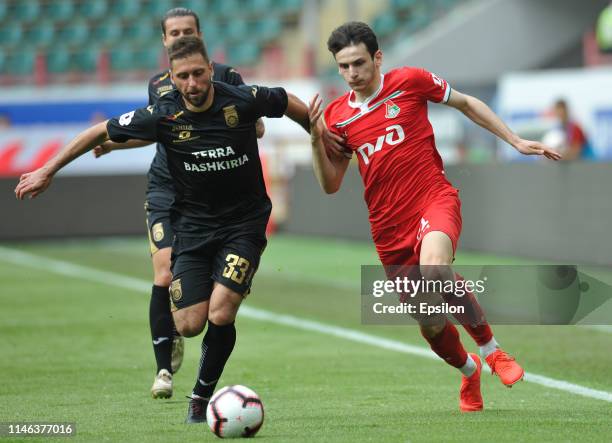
414	211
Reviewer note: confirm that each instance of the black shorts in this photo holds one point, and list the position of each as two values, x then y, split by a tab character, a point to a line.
229	256
157	208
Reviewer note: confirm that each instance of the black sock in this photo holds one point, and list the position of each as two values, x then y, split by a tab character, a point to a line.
162	325
217	346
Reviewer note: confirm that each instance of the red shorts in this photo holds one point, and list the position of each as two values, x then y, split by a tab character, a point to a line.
401	244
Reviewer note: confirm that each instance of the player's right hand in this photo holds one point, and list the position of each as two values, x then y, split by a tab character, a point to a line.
33	183
102	149
333	143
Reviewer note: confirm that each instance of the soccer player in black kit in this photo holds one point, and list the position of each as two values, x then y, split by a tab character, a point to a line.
221	207
167	344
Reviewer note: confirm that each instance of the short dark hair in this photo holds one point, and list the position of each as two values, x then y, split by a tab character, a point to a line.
186	46
179	12
352	33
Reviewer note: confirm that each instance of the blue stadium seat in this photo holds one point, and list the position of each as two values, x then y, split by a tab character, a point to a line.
3	9
106	33
142	31
59	10
2	62
268	28
246	53
21	62
289	6
58	60
260	8
93	9
126	9
236	30
41	34
86	60
147	58
26	11
10	34
122	59
226	8
156	9
404	4
198	6
385	24
75	33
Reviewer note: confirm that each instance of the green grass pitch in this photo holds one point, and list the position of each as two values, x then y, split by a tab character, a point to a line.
77	350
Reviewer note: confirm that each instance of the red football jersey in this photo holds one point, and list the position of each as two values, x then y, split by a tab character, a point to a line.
394	143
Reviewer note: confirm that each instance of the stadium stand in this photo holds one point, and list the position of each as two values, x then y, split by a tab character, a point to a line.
80	37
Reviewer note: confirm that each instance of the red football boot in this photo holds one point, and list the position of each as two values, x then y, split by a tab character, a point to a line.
470	399
508	370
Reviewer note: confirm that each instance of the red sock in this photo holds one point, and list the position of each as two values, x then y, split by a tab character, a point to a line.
448	345
473	320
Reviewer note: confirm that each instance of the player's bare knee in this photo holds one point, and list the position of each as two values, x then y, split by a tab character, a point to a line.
222	316
189	327
162	277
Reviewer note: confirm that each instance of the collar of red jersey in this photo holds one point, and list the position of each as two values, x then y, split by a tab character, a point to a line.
364	104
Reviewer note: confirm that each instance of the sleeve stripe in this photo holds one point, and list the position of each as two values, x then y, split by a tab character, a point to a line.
446	94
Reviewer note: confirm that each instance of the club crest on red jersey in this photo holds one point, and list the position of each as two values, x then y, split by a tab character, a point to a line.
392	110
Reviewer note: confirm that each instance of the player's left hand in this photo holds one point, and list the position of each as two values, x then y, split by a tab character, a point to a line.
528	147
33	183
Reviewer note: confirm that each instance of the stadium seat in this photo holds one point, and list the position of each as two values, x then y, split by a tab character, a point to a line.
75	33
142	31
3	9
59	10
385	24
86	60
226	8
243	54
126	9
212	31
236	30
27	11
106	33
156	9
21	62
260	8
41	34
268	28
122	59
58	60
289	6
147	58
197	6
93	9
2	62
10	34
403	4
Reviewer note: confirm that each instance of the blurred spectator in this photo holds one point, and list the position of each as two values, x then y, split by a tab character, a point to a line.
604	30
5	122
568	136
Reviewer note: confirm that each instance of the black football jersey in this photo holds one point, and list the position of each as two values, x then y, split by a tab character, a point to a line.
212	155
159	85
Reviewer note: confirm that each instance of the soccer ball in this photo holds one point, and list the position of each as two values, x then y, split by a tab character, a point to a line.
235	411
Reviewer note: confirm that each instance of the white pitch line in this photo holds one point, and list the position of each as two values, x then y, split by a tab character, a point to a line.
25	259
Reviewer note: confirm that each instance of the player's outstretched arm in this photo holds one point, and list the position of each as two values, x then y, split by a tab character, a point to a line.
482	115
297	111
329	170
109	146
35	182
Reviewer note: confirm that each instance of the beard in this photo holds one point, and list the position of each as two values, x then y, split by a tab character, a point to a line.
198	100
